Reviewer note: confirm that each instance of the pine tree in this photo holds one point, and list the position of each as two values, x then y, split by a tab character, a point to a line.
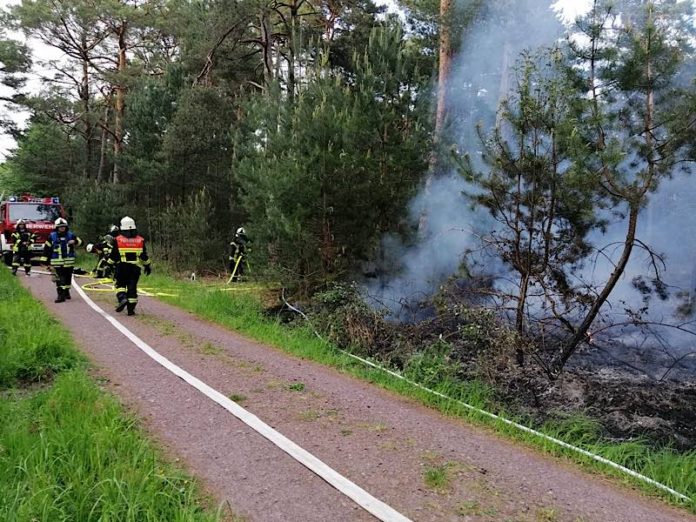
542	208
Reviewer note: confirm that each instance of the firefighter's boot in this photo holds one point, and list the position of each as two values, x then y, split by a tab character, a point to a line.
14	270
122	302
27	270
131	308
61	296
67	294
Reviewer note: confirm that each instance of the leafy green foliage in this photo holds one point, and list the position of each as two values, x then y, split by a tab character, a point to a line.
46	159
433	365
186	235
15	62
94	208
202	82
351	150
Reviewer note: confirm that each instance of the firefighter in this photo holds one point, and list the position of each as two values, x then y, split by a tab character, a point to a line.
110	237
59	252
127	255
238	254
102	249
23	241
103	269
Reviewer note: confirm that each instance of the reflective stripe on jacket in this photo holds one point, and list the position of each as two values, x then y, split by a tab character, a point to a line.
22	240
58	251
131	250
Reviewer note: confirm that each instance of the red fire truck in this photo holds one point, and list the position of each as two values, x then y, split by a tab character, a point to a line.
39	215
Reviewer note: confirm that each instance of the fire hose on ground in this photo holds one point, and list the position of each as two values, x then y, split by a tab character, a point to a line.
98	286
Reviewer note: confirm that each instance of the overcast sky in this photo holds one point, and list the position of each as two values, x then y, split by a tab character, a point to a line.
570	9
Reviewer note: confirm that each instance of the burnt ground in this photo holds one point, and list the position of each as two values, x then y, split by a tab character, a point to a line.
385	443
627	406
630	389
635	381
627	402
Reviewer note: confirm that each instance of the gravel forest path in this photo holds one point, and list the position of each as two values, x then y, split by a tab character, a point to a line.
384	443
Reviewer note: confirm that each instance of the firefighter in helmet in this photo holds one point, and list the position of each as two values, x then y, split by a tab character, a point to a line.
102	249
128	255
22	241
59	252
110	237
103	269
238	254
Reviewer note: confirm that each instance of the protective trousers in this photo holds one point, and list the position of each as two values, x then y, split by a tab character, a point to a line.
236	267
21	258
126	277
63	279
103	269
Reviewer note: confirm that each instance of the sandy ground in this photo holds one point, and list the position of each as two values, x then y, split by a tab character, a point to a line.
386	444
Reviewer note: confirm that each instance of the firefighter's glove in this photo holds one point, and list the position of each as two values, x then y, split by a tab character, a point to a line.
148	270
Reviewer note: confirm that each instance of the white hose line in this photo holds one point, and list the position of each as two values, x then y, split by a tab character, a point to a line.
361	497
526	429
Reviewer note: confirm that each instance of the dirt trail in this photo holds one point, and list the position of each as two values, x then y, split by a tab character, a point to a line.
386	444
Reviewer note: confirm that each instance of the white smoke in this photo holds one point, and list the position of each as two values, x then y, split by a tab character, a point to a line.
481	78
447	225
445	237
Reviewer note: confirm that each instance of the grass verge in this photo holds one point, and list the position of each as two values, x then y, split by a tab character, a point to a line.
67	450
240	310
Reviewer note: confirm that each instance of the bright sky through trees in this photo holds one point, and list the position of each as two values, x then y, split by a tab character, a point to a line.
570	9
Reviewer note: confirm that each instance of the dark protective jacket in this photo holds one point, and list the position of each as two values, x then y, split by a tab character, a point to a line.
57	249
23	240
238	246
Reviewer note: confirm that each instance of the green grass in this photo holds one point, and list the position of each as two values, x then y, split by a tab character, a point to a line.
33	345
67	450
238	398
242	312
437	477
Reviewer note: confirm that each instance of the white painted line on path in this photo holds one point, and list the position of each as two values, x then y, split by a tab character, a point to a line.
361	497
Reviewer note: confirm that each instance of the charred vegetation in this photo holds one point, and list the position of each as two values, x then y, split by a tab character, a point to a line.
633	395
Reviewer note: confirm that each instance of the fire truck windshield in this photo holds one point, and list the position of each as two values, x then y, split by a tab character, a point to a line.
34	212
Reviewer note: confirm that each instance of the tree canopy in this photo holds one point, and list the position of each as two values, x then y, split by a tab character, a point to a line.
313	124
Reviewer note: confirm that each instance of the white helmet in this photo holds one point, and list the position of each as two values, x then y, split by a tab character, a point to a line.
127	223
241	231
89	248
114	229
20	222
60	222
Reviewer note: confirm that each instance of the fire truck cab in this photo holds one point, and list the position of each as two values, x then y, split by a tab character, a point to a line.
39	215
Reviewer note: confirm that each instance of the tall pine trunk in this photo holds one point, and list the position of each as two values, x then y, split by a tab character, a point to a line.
104	141
85	99
445	65
119	99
